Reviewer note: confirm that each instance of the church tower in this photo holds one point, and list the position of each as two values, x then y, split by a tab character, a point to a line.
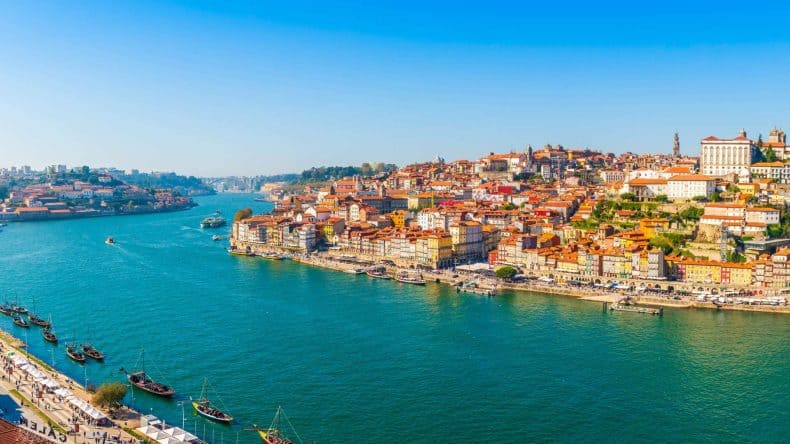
676	145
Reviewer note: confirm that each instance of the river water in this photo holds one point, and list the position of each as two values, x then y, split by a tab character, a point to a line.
350	358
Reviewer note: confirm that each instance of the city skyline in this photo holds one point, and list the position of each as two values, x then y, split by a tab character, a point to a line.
212	89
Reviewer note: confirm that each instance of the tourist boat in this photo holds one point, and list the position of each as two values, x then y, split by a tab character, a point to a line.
37	320
214	221
378	273
49	335
6	309
205	408
20	322
74	353
89	350
273	256
408	279
16	308
354	271
216	237
273	434
141	380
110	241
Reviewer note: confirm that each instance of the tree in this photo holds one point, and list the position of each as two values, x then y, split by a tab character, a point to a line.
110	394
508	207
661	198
715	197
244	213
628	196
769	154
506	273
691	213
699	199
775	231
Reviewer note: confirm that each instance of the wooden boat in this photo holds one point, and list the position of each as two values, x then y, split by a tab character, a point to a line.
89	350
378	273
20	322
6	309
37	320
141	380
16	308
407	279
49	335
74	353
273	434
205	408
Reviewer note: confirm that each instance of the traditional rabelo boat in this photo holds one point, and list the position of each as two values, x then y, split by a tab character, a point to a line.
49	335
74	353
6	309
273	434
89	350
20	322
37	320
16	308
205	407
141	380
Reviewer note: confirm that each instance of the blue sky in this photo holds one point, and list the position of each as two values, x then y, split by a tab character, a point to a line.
218	88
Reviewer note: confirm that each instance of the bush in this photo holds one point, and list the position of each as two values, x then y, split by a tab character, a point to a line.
628	196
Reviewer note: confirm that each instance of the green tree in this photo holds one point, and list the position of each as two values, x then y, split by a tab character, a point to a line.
508	207
661	198
769	154
715	197
691	214
628	196
506	273
244	213
699	199
775	231
110	394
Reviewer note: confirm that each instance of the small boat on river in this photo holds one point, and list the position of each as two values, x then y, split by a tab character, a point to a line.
110	241
141	380
274	433
74	353
20	322
37	320
378	273
406	278
16	308
205	407
6	309
89	350
49	335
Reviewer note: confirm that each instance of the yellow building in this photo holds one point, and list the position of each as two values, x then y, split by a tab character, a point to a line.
649	227
398	218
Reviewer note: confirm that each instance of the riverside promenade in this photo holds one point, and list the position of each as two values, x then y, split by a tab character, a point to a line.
49	414
343	263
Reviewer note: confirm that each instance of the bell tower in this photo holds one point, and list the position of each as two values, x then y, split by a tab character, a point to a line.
676	145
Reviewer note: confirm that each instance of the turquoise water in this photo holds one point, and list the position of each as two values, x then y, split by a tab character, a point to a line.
355	359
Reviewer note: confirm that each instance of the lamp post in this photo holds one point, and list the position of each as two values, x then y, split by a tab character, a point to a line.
183	417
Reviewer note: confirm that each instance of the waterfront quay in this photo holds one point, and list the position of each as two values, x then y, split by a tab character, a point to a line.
54	406
640	291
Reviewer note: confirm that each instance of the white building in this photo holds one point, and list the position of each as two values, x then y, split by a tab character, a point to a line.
720	157
687	186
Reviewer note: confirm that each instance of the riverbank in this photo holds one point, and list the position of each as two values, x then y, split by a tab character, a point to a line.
46	411
455	279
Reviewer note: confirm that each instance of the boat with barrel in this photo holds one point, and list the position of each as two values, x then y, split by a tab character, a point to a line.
406	278
90	351
20	322
74	353
36	320
206	408
143	381
49	335
274	433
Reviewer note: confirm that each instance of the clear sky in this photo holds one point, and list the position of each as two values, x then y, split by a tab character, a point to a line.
258	87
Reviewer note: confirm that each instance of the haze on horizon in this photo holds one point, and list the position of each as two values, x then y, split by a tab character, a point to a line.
220	88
